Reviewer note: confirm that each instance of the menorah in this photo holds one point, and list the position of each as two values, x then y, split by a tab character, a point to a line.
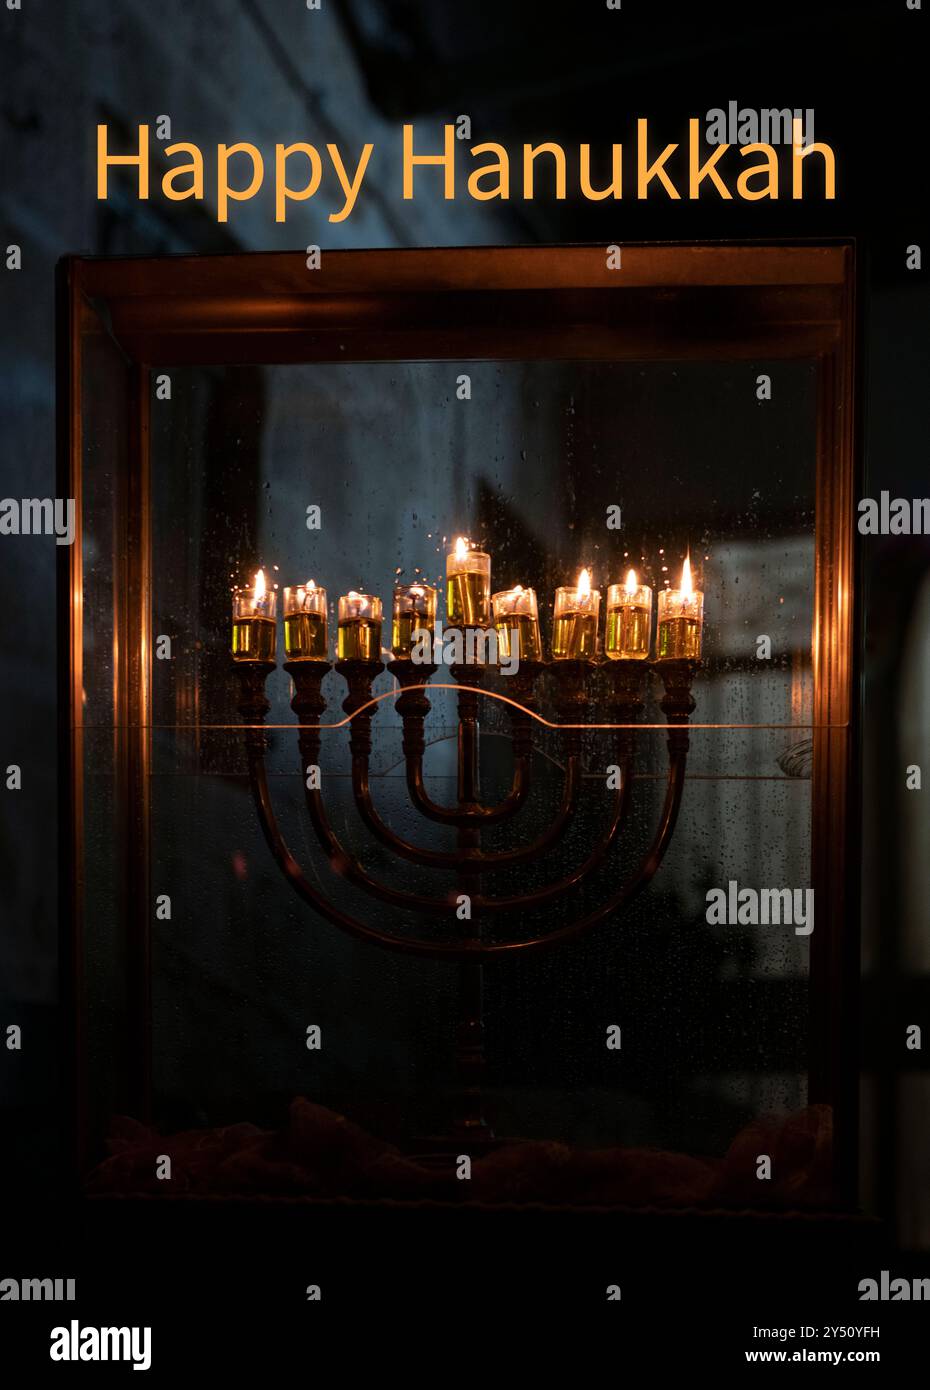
625	684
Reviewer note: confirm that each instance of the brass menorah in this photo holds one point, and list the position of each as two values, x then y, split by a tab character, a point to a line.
572	684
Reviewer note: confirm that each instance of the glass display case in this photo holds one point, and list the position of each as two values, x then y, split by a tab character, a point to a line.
338	916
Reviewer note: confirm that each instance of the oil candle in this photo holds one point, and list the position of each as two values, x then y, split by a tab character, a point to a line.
414	609
468	586
577	610
515	612
359	634
305	622
681	618
254	630
629	620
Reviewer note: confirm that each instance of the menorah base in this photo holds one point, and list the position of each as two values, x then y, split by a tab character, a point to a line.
468	1131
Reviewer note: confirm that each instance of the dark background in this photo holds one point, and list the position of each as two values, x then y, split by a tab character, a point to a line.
353	72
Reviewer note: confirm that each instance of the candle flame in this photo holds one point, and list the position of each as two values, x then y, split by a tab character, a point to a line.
461	548
311	585
584	585
687	587
259	591
632	583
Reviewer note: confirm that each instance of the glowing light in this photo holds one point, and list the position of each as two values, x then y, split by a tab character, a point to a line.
687	588
461	548
632	583
583	591
259	591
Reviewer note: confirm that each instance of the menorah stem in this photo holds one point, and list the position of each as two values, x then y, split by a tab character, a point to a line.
469	729
469	1123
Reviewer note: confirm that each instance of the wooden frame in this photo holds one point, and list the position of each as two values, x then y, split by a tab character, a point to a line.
668	301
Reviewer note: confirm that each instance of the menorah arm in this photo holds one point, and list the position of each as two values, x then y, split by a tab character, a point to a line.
348	867
411	946
551	891
413	706
470	948
677	703
633	887
309	704
476	814
253	706
453	859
